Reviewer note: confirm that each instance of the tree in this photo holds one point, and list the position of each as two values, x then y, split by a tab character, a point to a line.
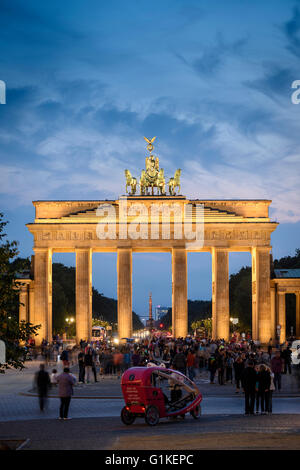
12	333
240	296
63	303
206	323
102	323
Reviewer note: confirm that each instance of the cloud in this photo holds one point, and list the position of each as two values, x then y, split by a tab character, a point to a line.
291	29
212	58
276	82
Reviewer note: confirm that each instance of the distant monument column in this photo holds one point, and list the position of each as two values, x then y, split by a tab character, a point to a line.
124	268
179	293
83	294
220	294
262	329
150	311
43	293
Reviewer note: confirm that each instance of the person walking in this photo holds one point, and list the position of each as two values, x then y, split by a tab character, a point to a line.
43	384
249	383
276	367
65	391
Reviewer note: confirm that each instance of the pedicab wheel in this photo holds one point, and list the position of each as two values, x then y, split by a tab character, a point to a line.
127	417
152	415
196	412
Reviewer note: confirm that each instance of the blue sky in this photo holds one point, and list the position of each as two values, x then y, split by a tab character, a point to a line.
87	80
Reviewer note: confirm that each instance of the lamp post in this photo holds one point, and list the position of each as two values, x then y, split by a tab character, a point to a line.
69	322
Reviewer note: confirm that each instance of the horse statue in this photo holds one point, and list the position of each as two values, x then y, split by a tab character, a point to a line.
130	181
143	183
175	183
161	183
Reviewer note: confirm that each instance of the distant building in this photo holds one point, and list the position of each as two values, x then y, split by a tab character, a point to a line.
160	312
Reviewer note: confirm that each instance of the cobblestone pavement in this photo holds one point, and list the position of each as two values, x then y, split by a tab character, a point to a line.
14	406
96	423
209	432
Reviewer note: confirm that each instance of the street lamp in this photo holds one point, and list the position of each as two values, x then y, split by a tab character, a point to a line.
69	322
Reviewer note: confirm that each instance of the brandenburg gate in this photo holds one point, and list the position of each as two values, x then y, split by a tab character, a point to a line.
151	222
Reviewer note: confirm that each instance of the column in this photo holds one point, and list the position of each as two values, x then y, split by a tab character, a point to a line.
31	303
84	294
43	293
281	316
220	294
124	269
273	313
23	306
261	297
297	314
179	293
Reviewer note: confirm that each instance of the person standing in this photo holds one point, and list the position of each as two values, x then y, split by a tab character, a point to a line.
238	372
43	384
263	387
65	391
65	357
212	367
229	367
249	383
179	361
88	363
81	367
287	357
221	366
276	367
271	390
191	358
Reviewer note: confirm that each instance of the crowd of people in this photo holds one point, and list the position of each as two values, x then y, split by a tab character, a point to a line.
256	372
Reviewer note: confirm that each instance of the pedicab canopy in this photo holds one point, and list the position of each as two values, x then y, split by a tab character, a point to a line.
145	386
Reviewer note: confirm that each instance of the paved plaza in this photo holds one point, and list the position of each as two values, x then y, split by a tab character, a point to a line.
96	420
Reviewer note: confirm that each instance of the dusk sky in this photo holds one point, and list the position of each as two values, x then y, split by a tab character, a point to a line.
86	80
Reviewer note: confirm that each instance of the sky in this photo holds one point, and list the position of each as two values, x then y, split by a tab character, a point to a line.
86	81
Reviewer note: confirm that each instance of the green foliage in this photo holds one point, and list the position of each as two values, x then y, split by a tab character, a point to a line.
197	310
13	334
102	323
288	262
205	323
240	296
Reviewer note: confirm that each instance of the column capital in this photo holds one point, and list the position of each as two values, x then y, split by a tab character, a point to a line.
260	248
42	250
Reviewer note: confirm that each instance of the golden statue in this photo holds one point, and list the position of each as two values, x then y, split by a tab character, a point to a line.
175	183
130	181
153	176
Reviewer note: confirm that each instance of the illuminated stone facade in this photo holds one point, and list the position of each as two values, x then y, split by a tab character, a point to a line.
229	226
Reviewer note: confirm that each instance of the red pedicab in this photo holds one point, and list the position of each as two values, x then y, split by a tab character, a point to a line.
155	392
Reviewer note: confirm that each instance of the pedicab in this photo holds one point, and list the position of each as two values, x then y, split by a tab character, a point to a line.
156	392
